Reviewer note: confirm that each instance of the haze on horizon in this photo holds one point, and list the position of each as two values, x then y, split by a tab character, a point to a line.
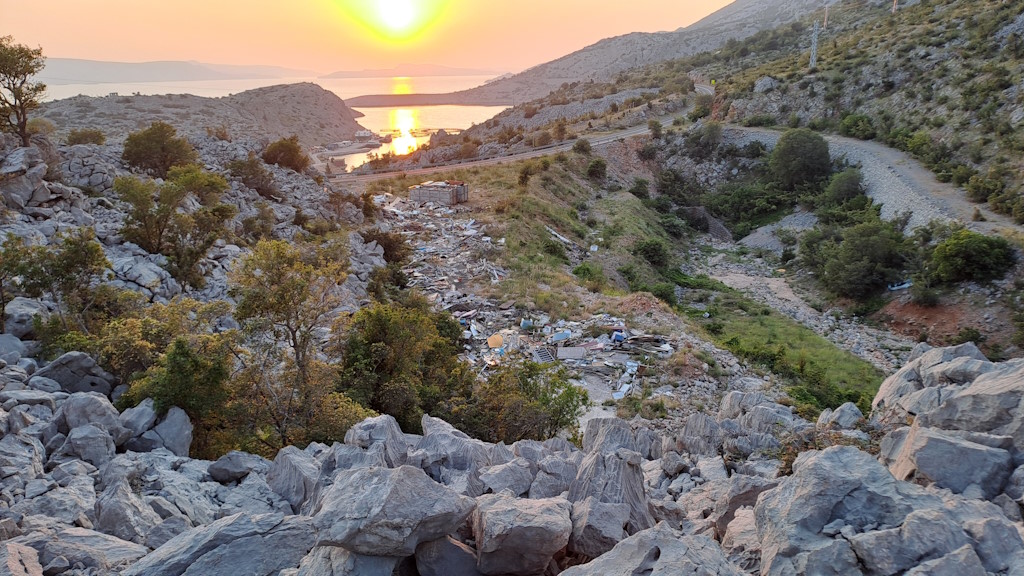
333	35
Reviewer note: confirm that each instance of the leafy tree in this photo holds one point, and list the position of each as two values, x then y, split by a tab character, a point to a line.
800	157
14	256
857	125
206	186
522	399
869	257
190	236
255	175
152	208
654	251
655	127
157	149
67	272
286	296
19	96
287	152
402	359
844	186
86	136
969	256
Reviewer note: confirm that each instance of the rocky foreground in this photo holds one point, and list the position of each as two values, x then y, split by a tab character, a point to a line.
88	490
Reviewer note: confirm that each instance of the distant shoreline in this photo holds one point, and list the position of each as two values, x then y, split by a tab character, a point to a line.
448	99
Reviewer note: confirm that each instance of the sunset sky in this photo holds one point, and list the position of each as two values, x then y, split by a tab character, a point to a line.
329	35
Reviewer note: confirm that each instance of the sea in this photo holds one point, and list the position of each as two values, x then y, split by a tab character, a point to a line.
410	126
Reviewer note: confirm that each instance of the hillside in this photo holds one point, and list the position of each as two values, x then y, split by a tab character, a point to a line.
78	71
315	115
603	60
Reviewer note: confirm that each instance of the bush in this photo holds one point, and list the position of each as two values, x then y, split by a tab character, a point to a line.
859	126
801	156
844	186
255	175
156	149
597	169
664	291
396	249
969	256
654	251
287	153
868	258
589	272
86	136
640	188
582	146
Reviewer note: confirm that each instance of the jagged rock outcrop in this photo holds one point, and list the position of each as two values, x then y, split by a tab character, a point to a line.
519	537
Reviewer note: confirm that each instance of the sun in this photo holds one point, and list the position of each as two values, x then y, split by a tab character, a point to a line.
397	15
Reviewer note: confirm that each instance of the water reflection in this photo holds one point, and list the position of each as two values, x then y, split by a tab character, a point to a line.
403	123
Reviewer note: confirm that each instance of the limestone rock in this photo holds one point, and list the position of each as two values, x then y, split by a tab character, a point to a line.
597	526
83	408
844	417
139	419
659	551
519	537
608	435
175	431
293	475
514	476
19	560
446	557
89	443
384	429
259	545
959	562
334	561
19	316
78	372
614	477
236	465
553	477
120	513
932	456
91	549
388	511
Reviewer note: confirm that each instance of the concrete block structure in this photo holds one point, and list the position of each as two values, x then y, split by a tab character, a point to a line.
448	193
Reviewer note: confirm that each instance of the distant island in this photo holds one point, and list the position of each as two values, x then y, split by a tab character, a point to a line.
61	71
411	70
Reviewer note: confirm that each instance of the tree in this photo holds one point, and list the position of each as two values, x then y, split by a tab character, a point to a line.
800	157
19	96
869	257
255	175
969	256
67	273
14	256
597	169
205	186
151	210
157	149
190	236
844	186
582	146
286	296
287	153
655	127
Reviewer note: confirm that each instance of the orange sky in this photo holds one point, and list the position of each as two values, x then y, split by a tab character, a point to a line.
330	35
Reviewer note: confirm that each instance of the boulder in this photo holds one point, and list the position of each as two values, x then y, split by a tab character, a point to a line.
597	526
19	560
19	316
553	477
101	552
78	372
293	475
89	443
514	476
608	435
993	404
11	349
383	429
165	530
740	542
260	545
959	562
519	537
659	551
236	465
614	477
334	561
446	557
388	511
139	419
927	455
175	431
83	408
120	513
843	418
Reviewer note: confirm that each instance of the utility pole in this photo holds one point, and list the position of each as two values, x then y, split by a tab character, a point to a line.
814	45
825	27
894	3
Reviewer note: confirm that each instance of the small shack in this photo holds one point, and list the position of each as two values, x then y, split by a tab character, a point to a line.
447	193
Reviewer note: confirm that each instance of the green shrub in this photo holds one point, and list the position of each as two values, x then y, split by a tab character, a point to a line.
255	175
86	136
654	251
640	188
969	256
597	169
857	125
582	146
287	153
800	157
156	149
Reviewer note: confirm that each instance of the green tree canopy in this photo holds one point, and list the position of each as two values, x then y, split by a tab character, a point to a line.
969	256
157	149
801	156
287	153
18	95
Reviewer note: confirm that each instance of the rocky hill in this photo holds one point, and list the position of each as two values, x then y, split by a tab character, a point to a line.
600	62
315	115
88	490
